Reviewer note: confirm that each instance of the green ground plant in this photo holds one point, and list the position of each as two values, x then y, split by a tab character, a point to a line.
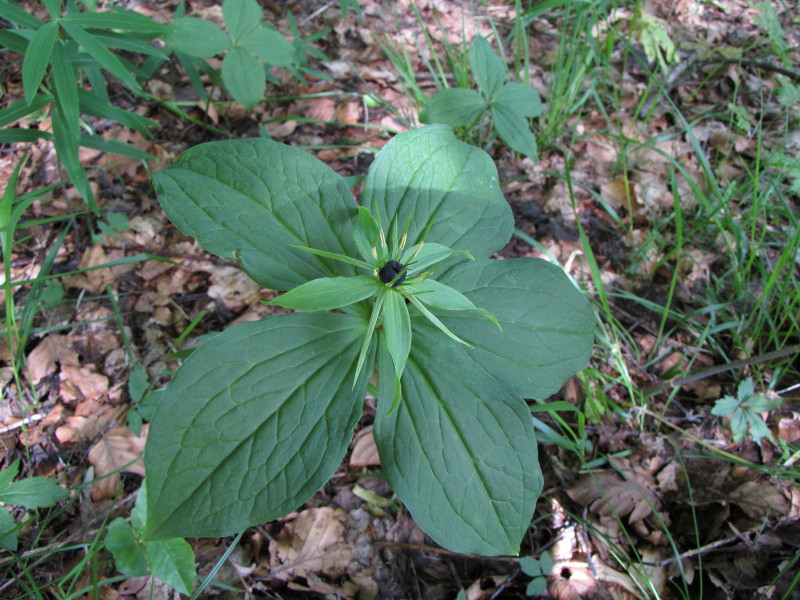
508	105
227	431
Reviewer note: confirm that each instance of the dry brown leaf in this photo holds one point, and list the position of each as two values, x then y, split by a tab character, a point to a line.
51	350
231	286
365	452
118	449
759	500
89	420
82	383
312	543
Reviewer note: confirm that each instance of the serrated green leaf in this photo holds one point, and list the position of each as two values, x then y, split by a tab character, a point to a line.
460	449
430	175
8	474
257	418
196	37
548	325
725	406
515	131
34	492
456	107
520	99
328	293
37	58
397	329
243	76
102	55
172	561
487	67
758	428
8	531
258	200
760	403
129	554
270	46
241	17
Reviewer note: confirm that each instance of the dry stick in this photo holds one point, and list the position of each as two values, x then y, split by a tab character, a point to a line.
707	547
714	370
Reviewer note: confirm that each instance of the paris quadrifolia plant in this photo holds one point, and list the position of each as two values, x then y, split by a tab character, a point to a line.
400	287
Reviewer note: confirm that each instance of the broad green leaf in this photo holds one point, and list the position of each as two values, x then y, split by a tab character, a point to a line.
33	492
548	325
257	199
457	107
397	329
8	531
530	566
520	99
129	554
137	383
107	59
429	174
460	449
437	295
270	46
487	67
172	561
258	418
37	57
196	37
515	131
328	293
128	20
536	587
243	76
241	17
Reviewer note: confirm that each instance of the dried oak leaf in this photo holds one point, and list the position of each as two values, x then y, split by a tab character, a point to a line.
365	452
118	450
312	543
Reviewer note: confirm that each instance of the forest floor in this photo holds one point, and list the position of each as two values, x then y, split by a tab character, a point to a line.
669	195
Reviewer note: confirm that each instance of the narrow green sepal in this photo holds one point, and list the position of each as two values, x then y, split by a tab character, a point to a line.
336	256
432	318
366	234
439	295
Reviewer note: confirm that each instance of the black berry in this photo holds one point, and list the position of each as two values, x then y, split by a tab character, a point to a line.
390	270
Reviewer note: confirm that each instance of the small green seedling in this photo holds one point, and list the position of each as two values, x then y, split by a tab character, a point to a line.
509	105
745	411
260	416
34	492
250	46
539	570
170	560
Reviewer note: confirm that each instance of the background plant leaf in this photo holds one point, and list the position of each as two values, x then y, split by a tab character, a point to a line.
269	46
487	67
243	76
258	418
196	37
255	199
519	98
241	17
456	107
459	450
515	131
429	174
548	326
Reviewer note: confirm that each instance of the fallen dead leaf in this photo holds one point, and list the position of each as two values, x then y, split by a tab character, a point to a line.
82	383
365	452
312	543
51	350
117	449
